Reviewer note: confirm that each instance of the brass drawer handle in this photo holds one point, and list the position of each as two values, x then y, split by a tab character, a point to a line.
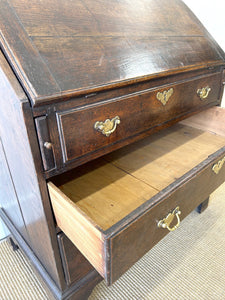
164	96
108	126
165	223
218	166
204	92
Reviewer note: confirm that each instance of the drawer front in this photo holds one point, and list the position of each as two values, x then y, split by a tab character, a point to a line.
115	250
88	129
141	235
75	265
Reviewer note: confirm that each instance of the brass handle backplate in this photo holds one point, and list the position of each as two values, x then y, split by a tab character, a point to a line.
218	166
165	223
108	126
164	96
204	92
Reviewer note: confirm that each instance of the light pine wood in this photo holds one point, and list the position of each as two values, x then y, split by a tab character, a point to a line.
160	160
212	120
110	191
89	200
78	227
107	194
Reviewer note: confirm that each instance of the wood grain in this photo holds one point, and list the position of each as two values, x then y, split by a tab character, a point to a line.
115	204
44	137
88	239
78	47
77	62
8	198
108	192
75	265
142	234
160	160
124	90
105	193
25	58
76	126
62	167
211	120
20	143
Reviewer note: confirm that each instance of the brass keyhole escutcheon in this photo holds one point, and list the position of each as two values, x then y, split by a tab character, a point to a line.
164	96
165	223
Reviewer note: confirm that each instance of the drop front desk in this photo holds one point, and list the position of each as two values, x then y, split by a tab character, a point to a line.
111	132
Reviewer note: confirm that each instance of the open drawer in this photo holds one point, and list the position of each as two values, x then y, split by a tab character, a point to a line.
114	209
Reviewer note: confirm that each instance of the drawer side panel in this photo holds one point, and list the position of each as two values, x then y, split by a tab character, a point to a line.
87	238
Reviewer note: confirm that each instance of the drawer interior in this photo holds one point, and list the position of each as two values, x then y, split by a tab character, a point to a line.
110	188
98	205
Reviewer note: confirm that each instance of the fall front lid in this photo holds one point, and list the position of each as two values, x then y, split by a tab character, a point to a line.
62	48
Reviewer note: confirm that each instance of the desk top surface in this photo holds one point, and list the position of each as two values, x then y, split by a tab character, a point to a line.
62	48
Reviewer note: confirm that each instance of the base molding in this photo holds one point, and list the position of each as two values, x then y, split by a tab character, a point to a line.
79	290
82	289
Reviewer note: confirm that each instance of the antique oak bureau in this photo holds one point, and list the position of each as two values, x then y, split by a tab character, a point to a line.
110	132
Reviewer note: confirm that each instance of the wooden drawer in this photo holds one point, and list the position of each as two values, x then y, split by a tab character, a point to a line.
110	208
83	130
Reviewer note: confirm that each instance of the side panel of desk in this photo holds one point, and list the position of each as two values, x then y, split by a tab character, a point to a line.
23	159
8	199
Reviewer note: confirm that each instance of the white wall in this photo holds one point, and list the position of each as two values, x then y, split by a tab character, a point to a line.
212	16
3	230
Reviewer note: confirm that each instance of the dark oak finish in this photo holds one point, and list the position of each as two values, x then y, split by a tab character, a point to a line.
83	288
127	90
117	42
80	290
8	197
75	265
65	65
20	144
61	167
202	207
223	78
38	267
44	143
105	245
190	192
76	126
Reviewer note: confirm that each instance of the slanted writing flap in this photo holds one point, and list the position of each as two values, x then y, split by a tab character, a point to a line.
61	47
